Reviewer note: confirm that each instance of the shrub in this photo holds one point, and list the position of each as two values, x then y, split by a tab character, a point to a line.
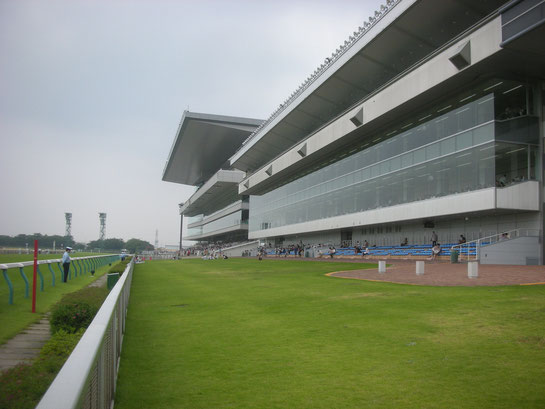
93	296
119	267
77	310
22	386
61	344
72	317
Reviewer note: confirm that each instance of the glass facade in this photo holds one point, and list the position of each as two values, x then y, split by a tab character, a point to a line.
234	219
194	219
458	147
231	220
194	231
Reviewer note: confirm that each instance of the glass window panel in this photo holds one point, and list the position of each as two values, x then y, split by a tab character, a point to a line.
483	134
464	140
224	222
385	167
533	162
432	151
448	146
404	138
451	124
375	170
409	187
418	137
485	109
419	155
407	159
464	116
486	166
395	163
358	176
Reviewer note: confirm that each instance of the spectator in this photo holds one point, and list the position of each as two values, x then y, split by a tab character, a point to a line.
66	264
435	251
434	238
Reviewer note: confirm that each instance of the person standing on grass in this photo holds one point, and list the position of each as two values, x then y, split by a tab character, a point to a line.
66	263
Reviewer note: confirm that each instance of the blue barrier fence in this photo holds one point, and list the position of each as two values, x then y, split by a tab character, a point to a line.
78	266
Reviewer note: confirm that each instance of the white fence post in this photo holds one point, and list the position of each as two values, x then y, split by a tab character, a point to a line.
419	268
473	269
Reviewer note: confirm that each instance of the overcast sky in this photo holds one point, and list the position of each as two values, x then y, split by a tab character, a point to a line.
92	92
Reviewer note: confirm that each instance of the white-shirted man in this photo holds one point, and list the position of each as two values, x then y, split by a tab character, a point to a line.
66	263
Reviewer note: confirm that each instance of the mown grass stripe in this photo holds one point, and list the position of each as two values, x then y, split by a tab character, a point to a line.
280	334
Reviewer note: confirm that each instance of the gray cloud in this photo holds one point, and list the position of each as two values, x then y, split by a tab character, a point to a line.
91	94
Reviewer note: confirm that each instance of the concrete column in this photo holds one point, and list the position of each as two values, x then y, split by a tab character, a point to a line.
419	268
181	236
382	266
473	269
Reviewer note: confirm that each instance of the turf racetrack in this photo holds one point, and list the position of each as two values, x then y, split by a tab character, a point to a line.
241	333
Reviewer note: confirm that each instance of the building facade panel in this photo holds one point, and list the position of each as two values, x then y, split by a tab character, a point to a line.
442	152
430	72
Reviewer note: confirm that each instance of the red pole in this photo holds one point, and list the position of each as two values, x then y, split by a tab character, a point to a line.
34	276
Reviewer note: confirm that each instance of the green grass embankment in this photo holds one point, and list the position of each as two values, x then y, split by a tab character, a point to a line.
16	317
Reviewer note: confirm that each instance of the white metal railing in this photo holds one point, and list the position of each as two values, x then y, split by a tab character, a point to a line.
240	245
88	378
470	251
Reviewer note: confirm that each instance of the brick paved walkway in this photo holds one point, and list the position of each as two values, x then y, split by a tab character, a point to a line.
441	273
26	345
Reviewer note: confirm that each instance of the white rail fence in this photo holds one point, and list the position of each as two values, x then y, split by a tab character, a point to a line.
88	378
470	251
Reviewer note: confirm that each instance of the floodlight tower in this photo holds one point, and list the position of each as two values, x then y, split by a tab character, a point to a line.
102	217
68	218
156	239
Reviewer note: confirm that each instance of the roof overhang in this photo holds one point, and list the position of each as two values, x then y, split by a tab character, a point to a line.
203	144
218	192
400	36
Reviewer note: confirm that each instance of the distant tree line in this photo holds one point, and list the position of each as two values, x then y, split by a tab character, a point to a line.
45	241
132	245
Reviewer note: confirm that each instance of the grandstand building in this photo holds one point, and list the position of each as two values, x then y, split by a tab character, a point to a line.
430	117
200	157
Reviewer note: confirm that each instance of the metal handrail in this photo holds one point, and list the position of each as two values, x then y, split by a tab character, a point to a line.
471	249
88	378
78	265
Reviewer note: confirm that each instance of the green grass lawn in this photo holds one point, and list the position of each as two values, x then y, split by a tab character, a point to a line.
279	334
16	317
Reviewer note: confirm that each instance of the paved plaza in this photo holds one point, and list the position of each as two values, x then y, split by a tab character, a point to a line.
441	273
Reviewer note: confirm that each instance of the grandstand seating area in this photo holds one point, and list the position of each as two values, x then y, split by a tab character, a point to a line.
424	250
